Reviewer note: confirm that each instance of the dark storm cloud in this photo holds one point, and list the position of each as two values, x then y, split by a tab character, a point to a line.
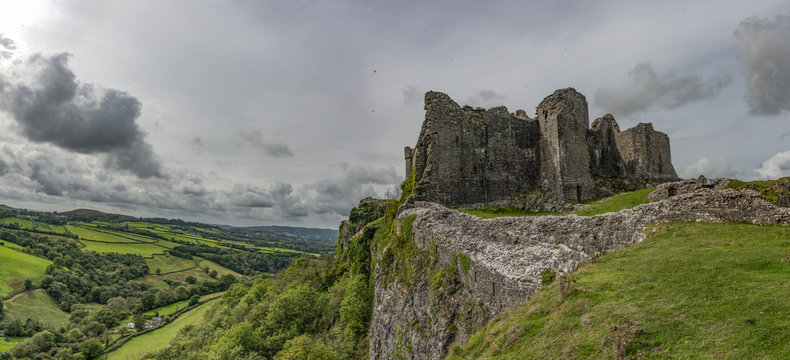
764	49
52	106
275	149
648	89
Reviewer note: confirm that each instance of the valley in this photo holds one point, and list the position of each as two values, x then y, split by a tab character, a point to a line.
80	280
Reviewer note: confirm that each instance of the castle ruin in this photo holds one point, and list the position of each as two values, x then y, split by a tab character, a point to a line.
472	156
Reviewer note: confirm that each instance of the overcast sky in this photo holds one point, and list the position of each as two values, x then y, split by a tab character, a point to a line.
289	112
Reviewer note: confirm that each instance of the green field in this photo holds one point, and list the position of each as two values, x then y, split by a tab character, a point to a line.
167	263
33	225
16	266
221	270
615	203
158	339
88	233
36	305
13	340
689	291
146	250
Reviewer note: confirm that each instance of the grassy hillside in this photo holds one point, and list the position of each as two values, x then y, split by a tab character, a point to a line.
32	225
691	291
36	305
158	339
16	267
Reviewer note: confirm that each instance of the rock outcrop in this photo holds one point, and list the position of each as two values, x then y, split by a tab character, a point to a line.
472	156
498	262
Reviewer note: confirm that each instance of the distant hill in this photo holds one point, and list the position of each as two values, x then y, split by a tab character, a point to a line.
91	215
3	207
328	235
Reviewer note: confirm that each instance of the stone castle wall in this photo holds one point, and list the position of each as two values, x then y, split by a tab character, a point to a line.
462	153
472	156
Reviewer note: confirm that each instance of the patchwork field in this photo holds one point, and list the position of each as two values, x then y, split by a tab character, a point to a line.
36	305
16	266
158	339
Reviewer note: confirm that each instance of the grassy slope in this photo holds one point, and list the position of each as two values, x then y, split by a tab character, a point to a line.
7	345
167	263
692	290
614	203
158	339
36	305
16	266
34	225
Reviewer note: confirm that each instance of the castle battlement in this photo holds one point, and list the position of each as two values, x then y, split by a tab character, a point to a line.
472	156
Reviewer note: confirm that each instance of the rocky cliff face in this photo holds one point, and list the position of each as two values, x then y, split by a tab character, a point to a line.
467	270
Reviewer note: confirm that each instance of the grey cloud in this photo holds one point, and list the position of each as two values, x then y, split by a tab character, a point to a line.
6	45
256	139
52	106
3	167
711	168
764	49
648	89
485	98
411	95
338	195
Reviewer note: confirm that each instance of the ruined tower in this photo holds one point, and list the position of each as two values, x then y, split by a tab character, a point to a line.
474	157
565	158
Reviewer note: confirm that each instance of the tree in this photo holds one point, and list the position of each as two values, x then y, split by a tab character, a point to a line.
1	309
28	284
158	271
194	300
304	348
191	280
139	322
91	348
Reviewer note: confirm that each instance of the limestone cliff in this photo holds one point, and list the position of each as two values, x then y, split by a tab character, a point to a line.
465	270
472	156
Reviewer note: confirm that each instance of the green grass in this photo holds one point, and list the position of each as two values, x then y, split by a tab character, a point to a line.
8	345
158	339
36	305
34	225
167	263
690	291
89	233
16	266
221	270
615	203
146	250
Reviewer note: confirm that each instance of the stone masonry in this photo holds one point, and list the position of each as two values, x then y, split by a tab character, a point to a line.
472	156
